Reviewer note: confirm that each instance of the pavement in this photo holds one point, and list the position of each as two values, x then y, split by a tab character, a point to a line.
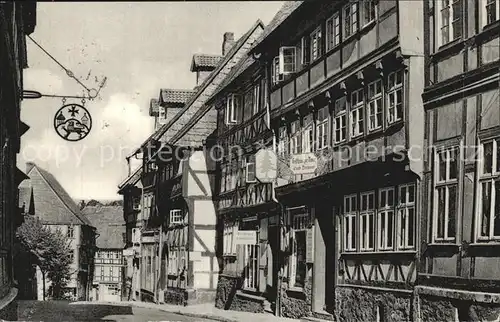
199	312
94	311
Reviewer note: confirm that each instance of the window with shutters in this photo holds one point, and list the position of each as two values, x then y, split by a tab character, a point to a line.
445	193
450	20
333	31
316	44
340	120
488	202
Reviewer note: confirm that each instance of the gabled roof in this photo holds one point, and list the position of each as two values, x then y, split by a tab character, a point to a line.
168	95
236	47
204	61
285	11
132	179
110	225
53	205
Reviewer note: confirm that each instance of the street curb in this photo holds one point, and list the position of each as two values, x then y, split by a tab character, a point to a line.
201	316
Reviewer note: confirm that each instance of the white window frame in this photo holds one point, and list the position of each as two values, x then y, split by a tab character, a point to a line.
340	122
493	179
322	128
333	31
284	67
308	134
368	5
176	216
250	167
386	211
356	127
404	208
275	71
256	98
375	106
350	19
484	11
365	215
446	185
393	88
295	136
230	232
316	52
230	110
282	141
350	220
441	24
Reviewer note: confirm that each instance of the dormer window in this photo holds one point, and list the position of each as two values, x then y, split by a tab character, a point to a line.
161	111
233	107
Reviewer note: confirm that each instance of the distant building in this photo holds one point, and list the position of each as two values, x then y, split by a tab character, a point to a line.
109	273
55	208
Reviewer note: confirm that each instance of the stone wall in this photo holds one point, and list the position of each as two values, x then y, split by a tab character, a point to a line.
354	304
8	306
175	296
434	309
230	297
296	304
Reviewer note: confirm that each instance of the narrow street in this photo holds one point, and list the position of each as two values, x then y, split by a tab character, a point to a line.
65	311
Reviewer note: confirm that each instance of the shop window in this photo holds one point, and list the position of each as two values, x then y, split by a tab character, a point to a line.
406	216
250	255
488	203
297	265
445	193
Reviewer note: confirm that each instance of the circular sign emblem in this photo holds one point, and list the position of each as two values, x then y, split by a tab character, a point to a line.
72	122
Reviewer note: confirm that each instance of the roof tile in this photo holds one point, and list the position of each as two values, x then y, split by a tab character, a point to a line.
109	223
202	60
168	95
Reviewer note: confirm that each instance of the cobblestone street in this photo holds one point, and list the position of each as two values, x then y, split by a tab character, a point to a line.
66	311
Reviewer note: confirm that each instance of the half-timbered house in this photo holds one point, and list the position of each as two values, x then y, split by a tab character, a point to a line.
345	106
459	277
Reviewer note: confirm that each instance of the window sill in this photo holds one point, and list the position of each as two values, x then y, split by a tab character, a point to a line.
368	25
381	252
229	256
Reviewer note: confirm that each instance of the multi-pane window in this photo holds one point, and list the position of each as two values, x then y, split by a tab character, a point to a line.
350	17
276	76
375	105
333	31
70	233
307	134
233	108
298	269
406	216
490	11
395	96
340	121
386	218
357	107
367	221
176	216
250	169
489	191
450	20
322	128
369	11
228	239
287	59
295	138
315	41
350	215
282	142
446	192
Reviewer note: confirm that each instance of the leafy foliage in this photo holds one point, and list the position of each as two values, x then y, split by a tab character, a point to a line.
49	249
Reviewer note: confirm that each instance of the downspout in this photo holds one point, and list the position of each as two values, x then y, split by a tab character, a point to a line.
273	184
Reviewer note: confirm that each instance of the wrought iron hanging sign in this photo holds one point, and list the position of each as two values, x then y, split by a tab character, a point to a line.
72	122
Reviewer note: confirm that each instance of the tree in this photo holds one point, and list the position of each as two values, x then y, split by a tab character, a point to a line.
49	250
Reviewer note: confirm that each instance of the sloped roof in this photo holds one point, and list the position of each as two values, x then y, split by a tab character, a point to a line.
158	134
52	203
284	12
109	223
168	95
132	179
202	60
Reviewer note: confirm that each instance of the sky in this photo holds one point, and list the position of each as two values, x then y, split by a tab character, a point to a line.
140	47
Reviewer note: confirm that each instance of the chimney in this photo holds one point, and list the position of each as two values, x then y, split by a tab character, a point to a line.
227	43
29	166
